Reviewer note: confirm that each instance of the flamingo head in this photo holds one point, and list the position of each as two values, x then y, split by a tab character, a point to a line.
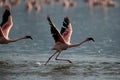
90	39
28	37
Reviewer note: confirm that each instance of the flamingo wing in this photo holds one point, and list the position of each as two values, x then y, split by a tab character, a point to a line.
7	23
55	32
1	34
66	30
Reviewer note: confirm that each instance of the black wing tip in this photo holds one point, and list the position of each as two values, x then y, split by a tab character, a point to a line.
7	12
66	19
48	18
8	8
5	16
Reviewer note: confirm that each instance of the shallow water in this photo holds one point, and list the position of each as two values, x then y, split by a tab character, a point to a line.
60	71
99	60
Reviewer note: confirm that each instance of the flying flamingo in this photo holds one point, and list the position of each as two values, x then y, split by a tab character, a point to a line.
6	25
62	38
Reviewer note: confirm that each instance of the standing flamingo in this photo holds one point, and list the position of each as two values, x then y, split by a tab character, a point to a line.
62	38
6	25
29	6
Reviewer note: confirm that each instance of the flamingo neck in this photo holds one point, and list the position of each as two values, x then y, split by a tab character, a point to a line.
75	45
14	40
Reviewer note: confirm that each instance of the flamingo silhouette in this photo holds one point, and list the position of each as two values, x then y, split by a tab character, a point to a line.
6	25
62	38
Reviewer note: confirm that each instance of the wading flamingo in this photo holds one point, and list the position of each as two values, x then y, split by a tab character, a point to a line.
62	38
29	6
6	25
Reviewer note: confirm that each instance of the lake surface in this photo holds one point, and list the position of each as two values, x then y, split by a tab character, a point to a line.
99	60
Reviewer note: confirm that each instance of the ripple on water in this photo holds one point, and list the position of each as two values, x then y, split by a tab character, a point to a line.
78	68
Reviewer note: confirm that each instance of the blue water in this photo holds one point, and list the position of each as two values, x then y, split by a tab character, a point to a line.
99	60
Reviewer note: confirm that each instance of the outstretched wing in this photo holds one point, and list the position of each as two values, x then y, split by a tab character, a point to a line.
55	33
6	22
66	30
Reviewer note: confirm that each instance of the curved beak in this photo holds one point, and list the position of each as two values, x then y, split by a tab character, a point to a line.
92	39
31	38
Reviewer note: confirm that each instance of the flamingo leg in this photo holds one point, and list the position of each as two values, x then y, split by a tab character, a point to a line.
50	58
62	59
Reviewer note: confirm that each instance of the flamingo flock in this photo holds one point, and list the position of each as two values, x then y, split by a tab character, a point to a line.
37	5
62	38
102	3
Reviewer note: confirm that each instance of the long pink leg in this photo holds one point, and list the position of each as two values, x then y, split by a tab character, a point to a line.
50	58
62	59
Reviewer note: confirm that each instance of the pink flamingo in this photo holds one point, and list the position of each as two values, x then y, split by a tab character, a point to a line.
62	39
6	4
29	6
37	6
6	25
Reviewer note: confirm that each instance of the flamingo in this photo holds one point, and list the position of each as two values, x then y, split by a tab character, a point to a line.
15	2
62	38
66	4
72	3
37	7
1	3
6	4
6	25
28	6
